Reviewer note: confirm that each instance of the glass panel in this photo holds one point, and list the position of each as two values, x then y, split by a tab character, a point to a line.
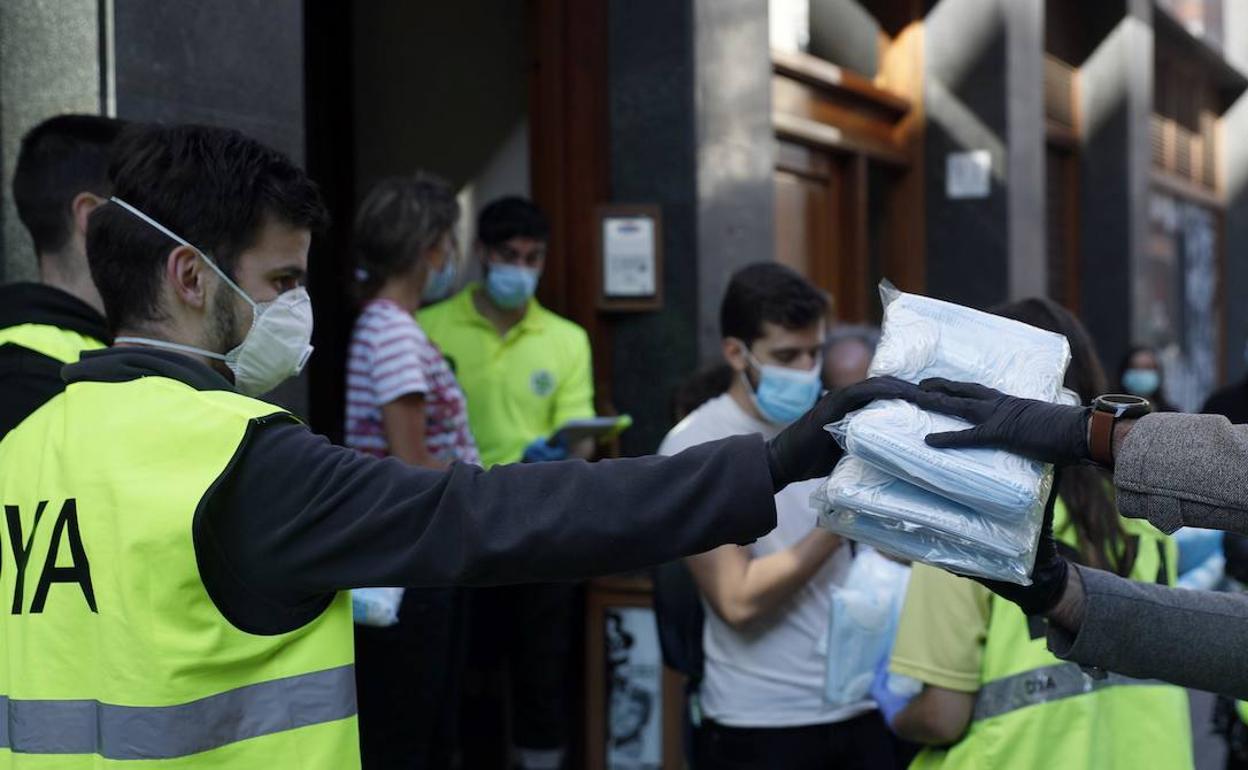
1176	297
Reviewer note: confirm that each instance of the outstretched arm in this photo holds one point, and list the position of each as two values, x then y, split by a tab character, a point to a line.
1189	638
297	518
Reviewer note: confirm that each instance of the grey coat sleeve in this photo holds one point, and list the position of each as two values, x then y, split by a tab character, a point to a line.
1185	470
1192	638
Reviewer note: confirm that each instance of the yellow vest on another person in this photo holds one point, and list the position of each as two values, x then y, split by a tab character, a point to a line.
1036	711
52	341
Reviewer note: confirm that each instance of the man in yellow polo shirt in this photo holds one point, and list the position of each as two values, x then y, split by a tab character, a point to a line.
525	372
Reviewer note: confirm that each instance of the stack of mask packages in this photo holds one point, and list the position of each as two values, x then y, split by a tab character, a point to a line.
971	511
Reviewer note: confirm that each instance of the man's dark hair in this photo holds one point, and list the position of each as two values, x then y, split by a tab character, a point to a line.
214	187
768	291
59	159
511	217
399	220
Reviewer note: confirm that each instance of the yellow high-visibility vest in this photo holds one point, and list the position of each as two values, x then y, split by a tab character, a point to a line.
52	341
112	653
1036	711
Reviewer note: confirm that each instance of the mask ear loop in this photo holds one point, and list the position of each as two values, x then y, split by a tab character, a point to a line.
750	361
215	268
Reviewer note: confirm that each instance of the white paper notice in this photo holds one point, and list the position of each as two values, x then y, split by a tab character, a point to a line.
968	174
628	256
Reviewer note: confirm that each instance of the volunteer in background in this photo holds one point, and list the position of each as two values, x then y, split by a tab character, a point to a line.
993	695
526	371
185	545
403	401
60	177
1140	373
847	355
767	604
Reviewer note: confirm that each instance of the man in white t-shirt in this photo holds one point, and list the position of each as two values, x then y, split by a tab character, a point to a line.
767	604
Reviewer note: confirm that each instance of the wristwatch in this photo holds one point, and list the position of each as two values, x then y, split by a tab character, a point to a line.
1106	411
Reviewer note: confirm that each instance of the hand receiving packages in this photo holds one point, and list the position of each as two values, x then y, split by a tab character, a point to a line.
1051	433
804	450
1048	575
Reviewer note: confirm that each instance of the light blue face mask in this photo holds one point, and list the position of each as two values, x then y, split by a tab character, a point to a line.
510	286
784	394
1141	382
438	283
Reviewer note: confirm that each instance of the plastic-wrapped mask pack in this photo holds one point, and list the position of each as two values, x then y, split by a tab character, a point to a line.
861	625
376	606
870	506
923	337
974	511
889	435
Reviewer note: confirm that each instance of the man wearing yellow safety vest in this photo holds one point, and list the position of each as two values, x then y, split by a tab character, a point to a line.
59	179
179	547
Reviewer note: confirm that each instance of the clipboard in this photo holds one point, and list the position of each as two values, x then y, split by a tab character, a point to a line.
597	428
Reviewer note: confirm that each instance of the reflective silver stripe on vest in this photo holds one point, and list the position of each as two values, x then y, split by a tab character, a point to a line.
164	732
1042	685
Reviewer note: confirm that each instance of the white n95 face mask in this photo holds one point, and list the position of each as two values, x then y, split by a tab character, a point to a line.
276	346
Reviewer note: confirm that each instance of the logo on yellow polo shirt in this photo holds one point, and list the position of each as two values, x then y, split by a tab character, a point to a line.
542	382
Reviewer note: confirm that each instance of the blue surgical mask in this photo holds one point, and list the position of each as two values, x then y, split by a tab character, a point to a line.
1141	382
784	394
510	286
438	283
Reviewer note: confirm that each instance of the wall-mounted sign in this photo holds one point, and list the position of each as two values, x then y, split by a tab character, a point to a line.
968	174
630	250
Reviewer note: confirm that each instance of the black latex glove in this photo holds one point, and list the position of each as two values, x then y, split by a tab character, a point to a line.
804	450
1048	576
1051	433
1235	549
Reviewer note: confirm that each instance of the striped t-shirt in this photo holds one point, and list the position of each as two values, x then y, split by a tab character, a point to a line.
390	357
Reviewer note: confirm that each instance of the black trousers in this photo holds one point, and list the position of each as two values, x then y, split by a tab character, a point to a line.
861	743
520	655
407	680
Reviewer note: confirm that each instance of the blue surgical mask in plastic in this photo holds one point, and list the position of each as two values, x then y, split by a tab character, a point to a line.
438	283
784	394
510	286
1141	382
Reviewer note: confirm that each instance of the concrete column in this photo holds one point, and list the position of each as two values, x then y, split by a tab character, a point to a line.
234	63
653	160
735	150
1025	152
690	129
49	63
1235	247
1116	93
984	76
